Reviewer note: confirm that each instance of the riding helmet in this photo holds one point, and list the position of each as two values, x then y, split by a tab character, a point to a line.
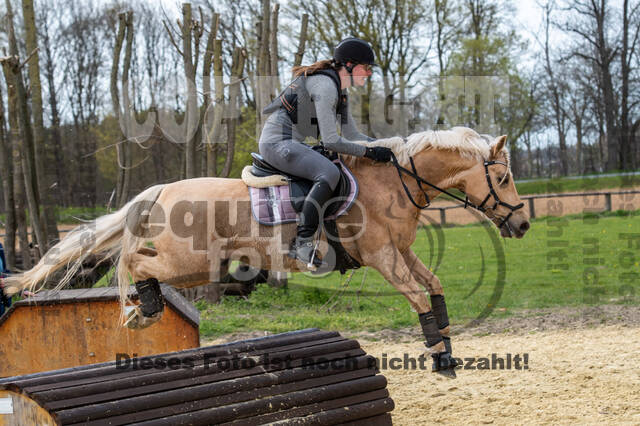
355	50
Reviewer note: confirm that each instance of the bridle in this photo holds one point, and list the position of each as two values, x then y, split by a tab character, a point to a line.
481	208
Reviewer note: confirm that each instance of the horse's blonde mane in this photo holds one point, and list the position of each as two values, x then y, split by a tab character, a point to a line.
464	140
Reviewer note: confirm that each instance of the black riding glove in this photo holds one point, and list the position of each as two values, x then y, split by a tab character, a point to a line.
378	153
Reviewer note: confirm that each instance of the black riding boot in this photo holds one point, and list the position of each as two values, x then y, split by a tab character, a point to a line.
303	247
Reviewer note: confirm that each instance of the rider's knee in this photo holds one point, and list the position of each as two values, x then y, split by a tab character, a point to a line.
331	177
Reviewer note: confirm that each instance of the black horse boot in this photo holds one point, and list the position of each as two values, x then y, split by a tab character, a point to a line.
150	295
439	309
151	306
443	362
303	248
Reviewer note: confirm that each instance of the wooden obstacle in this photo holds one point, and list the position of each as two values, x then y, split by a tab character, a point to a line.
78	327
302	377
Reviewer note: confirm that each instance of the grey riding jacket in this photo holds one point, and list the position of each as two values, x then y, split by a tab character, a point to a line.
313	106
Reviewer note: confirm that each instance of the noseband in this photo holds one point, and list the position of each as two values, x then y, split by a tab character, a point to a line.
492	193
481	208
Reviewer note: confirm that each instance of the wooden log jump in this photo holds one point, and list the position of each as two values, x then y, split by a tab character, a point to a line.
302	377
54	330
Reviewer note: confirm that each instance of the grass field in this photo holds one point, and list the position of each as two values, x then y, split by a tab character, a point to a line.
561	262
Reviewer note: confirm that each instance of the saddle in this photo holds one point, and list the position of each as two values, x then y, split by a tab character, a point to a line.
277	198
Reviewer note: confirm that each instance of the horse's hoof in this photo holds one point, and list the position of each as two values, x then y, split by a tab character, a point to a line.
137	321
444	364
449	374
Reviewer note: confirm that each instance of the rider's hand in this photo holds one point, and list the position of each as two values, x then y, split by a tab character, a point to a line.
379	153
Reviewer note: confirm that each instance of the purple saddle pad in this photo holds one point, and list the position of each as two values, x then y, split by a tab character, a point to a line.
273	205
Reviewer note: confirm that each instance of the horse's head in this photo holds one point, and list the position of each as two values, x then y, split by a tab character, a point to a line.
489	184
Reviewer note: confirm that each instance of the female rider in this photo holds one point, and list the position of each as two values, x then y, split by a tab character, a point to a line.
311	106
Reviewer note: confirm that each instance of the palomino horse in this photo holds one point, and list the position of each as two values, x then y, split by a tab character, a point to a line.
191	226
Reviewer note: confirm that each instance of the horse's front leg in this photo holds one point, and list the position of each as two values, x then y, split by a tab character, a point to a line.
431	282
391	264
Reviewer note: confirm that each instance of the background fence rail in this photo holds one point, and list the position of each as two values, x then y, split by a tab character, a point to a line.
531	198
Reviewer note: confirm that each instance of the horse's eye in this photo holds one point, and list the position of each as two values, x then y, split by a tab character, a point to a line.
505	181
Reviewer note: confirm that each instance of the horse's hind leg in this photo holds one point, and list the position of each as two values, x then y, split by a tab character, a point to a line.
148	267
430	281
168	268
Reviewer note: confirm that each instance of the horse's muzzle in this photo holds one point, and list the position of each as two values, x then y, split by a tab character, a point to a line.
515	227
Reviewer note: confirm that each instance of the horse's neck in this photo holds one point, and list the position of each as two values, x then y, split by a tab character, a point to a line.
438	167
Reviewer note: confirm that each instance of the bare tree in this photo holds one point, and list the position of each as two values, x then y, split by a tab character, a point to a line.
302	39
558	90
207	140
50	73
190	30
122	112
83	39
6	171
214	139
448	32
589	22
47	213
18	174
274	59
628	54
12	67
264	84
233	110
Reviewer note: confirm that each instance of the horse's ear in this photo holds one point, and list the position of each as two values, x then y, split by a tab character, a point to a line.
497	147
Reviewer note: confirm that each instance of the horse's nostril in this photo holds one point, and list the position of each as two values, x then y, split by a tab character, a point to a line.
525	226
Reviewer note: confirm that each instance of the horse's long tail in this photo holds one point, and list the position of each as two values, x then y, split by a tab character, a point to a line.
111	235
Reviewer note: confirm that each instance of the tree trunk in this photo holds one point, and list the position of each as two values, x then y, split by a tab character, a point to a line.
13	67
440	12
274	75
48	217
128	112
6	171
191	111
606	55
263	67
626	56
556	99
529	155
301	41
578	124
28	165
115	101
218	108
62	183
206	106
18	176
237	68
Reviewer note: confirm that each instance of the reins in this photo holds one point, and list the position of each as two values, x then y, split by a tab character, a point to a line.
465	200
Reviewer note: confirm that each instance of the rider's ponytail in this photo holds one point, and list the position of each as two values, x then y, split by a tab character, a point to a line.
310	69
